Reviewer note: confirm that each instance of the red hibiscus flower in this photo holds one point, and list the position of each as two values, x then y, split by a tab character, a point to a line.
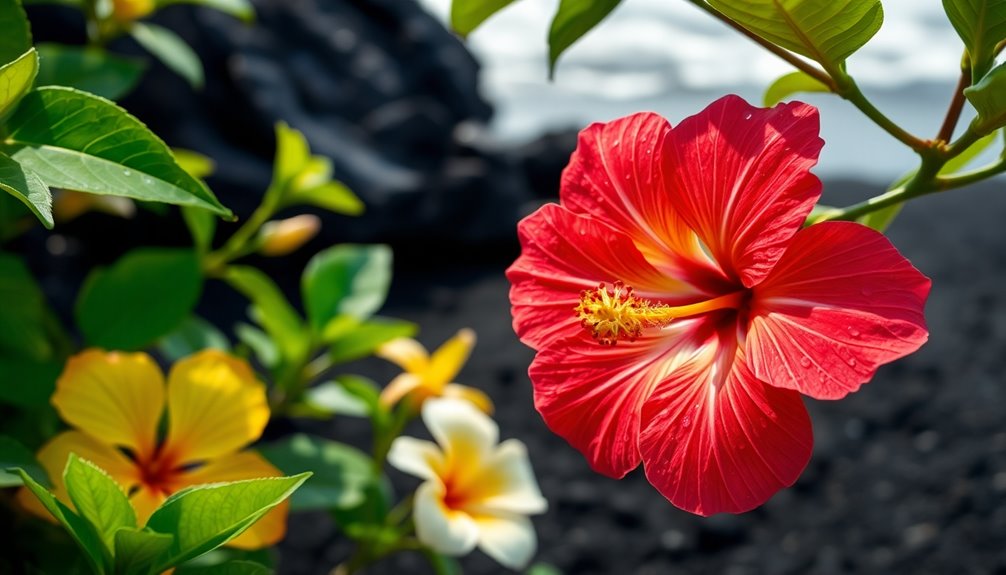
685	247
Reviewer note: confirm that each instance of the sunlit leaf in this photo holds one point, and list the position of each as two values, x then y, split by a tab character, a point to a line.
205	517
361	338
827	31
80	142
136	551
98	499
989	99
16	79
467	15
792	83
574	19
981	24
28	188
271	310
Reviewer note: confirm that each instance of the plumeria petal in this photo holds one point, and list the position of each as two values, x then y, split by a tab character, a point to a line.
840	303
445	530
464	432
508	484
563	254
448	359
406	353
509	539
715	439
216	405
742	181
617	176
398	388
268	530
591	395
416	457
117	397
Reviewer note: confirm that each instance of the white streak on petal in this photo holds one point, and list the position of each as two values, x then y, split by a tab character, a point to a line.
462	430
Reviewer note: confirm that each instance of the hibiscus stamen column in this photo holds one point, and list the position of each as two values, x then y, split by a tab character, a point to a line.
616	313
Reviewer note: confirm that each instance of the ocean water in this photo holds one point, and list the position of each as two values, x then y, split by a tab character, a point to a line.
672	58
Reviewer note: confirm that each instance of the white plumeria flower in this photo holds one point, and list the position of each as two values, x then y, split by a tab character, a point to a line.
477	492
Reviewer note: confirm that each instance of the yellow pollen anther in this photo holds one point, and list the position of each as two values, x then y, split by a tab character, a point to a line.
615	313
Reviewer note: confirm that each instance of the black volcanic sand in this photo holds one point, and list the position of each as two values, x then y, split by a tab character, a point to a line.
908	475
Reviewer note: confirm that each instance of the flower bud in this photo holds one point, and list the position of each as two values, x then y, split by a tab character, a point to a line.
282	237
130	10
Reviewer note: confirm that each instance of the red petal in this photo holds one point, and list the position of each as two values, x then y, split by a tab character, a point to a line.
591	395
742	180
715	439
617	176
562	255
840	303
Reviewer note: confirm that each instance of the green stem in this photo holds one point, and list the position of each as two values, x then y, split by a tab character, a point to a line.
920	185
792	59
240	244
956	105
849	90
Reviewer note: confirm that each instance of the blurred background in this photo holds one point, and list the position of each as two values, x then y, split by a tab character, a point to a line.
450	143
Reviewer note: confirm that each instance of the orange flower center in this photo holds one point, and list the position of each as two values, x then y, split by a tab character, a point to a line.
160	473
615	313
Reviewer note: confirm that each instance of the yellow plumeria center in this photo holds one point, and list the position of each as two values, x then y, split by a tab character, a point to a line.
615	313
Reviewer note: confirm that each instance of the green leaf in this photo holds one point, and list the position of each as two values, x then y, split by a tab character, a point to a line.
827	31
228	568
203	518
981	24
881	219
260	344
962	160
197	165
333	196
28	383
346	280
28	188
171	50
145	295
574	19
79	529
989	99
271	310
89	69
16	79
23	332
332	398
137	551
241	9
195	334
16	37
363	338
13	454
789	84
98	499
341	473
467	15
76	141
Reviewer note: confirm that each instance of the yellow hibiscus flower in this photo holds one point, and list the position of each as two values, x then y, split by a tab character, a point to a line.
114	401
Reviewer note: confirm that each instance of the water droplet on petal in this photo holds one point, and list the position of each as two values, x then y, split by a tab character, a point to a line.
804	362
686	421
851	361
854	332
